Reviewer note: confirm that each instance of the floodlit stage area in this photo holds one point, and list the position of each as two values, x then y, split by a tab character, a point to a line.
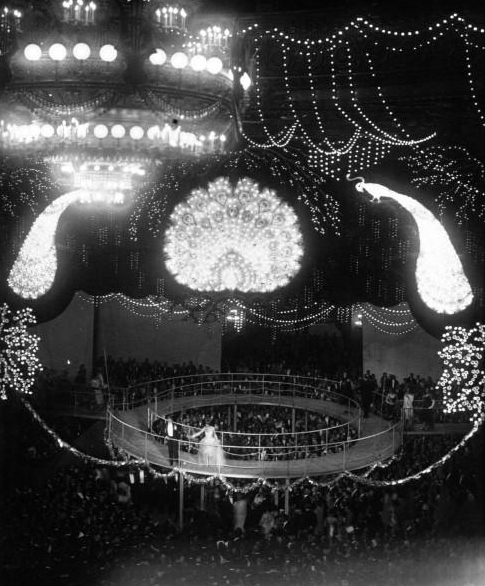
368	440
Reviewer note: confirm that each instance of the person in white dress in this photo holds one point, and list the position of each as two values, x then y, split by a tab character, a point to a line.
210	448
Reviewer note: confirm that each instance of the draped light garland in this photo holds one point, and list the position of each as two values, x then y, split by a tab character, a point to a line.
128	462
395	322
457	176
463	378
19	364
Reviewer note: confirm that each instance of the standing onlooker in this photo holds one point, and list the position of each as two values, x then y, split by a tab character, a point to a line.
240	511
408	408
428	411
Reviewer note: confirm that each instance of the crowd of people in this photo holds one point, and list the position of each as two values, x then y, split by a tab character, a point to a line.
90	524
264	432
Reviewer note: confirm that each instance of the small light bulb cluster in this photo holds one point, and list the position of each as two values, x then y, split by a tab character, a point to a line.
19	364
462	381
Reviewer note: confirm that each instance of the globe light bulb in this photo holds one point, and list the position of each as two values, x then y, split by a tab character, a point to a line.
108	53
158	58
100	131
136	132
81	51
214	65
57	52
179	60
32	52
198	62
118	131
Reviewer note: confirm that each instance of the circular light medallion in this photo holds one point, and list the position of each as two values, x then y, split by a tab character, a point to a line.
118	131
100	131
214	65
158	58
136	132
179	60
233	238
81	51
198	62
47	130
108	53
32	52
57	52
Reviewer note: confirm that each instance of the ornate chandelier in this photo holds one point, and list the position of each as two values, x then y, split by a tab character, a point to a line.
104	92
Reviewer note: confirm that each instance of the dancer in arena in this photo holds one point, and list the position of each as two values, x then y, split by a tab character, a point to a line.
210	448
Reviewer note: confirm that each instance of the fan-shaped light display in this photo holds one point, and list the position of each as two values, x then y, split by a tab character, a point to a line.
81	51
57	52
100	131
179	60
233	238
441	282
158	58
214	65
108	53
118	131
32	52
198	62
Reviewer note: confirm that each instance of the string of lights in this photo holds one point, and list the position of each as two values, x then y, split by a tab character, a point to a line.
128	462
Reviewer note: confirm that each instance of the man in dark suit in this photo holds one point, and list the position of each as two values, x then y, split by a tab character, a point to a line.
173	435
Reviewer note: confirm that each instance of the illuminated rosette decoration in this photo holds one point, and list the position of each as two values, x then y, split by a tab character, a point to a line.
463	378
19	364
227	238
440	279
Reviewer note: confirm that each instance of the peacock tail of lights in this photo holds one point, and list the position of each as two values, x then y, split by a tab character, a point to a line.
440	279
34	270
241	238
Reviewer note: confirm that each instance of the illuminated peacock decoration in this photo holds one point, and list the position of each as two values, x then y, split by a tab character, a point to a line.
227	238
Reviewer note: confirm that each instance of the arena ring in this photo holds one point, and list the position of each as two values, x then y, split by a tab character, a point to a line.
129	424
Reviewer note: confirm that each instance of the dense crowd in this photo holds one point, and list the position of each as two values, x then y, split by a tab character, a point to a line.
265	432
100	525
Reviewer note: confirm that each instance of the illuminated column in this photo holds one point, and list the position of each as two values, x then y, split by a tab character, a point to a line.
440	279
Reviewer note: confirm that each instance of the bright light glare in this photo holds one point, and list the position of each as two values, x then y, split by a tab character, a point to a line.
32	52
57	52
440	279
179	60
158	58
47	130
245	81
226	238
81	51
214	65
108	53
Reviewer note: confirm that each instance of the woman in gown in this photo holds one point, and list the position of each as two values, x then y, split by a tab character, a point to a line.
210	449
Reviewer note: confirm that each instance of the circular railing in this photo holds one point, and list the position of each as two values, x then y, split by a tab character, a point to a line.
247	454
